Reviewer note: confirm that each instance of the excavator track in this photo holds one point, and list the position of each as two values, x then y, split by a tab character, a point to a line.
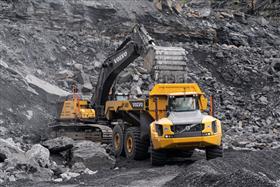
81	131
166	64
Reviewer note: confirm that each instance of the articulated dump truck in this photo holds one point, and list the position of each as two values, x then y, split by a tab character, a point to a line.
169	121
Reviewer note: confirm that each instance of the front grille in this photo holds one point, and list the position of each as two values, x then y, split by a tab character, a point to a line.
187	130
187	134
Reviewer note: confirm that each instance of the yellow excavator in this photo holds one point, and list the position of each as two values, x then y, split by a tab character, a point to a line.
77	120
169	121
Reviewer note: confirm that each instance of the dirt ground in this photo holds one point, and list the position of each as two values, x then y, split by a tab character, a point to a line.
237	168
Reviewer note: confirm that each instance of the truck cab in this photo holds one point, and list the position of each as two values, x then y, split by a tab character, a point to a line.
183	125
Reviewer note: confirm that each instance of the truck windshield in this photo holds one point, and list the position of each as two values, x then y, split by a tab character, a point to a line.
182	103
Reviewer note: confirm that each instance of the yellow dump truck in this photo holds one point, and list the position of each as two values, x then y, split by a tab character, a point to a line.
170	121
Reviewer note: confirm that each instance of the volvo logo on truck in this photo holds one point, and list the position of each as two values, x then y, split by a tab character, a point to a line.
120	57
137	104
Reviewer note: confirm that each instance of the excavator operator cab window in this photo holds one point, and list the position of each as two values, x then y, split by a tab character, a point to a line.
182	103
121	96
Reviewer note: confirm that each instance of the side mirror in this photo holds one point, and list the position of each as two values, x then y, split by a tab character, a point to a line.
168	109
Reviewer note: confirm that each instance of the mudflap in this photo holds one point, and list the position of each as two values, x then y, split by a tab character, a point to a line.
145	121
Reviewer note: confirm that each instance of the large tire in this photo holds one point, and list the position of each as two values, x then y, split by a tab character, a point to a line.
214	152
134	147
158	157
118	141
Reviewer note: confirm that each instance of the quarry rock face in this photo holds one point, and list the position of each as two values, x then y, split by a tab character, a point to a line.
230	55
48	46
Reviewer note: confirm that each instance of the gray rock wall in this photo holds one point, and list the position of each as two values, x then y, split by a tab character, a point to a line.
230	54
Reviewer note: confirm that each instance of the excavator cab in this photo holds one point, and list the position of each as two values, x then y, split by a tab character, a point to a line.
77	120
76	108
85	110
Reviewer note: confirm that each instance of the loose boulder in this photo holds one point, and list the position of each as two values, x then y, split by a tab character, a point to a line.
40	154
18	165
93	155
9	149
59	144
68	175
22	167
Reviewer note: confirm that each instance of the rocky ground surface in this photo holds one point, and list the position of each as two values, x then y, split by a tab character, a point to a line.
260	168
47	46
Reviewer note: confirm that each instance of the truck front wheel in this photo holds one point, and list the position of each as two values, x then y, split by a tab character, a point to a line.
158	157
214	152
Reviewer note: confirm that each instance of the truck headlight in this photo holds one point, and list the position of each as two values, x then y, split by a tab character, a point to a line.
206	134
168	136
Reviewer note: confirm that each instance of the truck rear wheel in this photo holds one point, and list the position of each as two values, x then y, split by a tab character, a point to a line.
214	152
158	157
134	147
118	141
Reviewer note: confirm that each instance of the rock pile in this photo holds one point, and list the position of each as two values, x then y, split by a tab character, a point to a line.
259	168
17	164
38	163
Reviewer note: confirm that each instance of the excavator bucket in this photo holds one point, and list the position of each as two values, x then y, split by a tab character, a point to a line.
166	64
